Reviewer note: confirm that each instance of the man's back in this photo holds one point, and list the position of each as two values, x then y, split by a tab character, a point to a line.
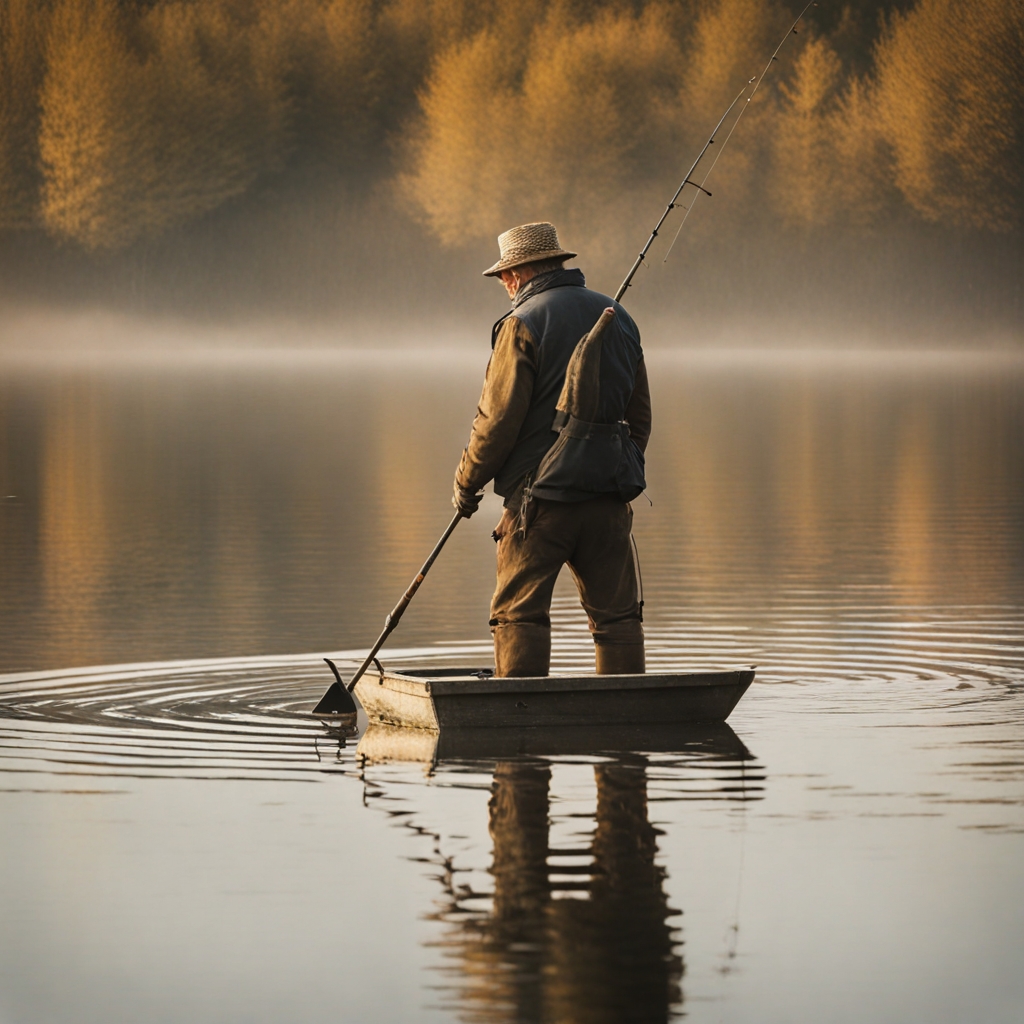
557	311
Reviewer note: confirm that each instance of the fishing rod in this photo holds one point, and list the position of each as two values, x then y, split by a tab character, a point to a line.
688	180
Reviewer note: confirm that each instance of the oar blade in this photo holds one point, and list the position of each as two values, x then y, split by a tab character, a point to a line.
336	701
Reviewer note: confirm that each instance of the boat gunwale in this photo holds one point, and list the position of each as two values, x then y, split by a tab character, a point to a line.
496	685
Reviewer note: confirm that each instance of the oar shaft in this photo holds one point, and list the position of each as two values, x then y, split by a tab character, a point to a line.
399	610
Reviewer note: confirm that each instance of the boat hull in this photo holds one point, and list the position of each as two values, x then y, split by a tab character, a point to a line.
440	699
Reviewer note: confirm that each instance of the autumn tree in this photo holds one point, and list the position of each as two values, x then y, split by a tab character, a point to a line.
22	27
150	124
122	119
950	99
828	162
589	121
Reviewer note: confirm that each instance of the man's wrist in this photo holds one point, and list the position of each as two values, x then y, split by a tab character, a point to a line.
465	500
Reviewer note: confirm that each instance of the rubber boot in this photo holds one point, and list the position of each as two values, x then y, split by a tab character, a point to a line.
619	659
521	649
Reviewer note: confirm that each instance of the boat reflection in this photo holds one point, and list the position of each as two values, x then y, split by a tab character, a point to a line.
383	744
577	932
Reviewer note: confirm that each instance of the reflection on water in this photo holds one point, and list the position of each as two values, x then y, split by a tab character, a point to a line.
179	839
193	513
205	512
539	956
576	930
575	925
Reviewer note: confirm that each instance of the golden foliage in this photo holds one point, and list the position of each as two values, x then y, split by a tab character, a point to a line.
457	162
21	71
323	56
802	140
591	112
138	134
861	181
120	120
731	41
950	98
730	44
829	162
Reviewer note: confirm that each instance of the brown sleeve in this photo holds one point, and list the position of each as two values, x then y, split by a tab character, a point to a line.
508	388
638	411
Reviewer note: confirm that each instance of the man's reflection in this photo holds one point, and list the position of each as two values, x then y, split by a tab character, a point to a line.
538	957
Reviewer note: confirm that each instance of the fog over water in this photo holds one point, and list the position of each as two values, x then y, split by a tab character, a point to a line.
365	285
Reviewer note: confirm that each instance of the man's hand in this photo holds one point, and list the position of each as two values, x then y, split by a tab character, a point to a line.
466	501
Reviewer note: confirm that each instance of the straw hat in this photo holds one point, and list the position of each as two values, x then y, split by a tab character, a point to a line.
525	244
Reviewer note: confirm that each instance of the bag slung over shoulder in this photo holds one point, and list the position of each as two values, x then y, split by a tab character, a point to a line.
588	456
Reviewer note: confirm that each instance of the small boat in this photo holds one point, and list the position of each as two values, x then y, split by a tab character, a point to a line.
463	698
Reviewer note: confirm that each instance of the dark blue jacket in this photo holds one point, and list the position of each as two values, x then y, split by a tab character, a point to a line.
558	309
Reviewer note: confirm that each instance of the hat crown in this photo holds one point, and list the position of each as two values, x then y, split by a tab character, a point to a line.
528	242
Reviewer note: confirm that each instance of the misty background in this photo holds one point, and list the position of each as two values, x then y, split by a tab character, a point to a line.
342	167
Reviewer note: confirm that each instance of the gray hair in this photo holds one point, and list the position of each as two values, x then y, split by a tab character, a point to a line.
543	266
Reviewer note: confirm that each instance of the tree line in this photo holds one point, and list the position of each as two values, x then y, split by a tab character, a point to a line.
123	119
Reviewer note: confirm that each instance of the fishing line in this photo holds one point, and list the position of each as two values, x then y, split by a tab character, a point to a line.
675	237
732	936
672	202
756	80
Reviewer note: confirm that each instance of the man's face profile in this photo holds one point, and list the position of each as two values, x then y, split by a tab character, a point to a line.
510	279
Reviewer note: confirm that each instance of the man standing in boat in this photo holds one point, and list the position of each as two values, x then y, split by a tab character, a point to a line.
567	478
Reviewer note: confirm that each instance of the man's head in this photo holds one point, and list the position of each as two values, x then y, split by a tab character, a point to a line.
515	277
525	252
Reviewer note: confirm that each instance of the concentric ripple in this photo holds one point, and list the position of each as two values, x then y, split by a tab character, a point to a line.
249	718
915	652
231	718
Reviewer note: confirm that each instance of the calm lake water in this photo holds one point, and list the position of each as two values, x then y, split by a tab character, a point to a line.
182	539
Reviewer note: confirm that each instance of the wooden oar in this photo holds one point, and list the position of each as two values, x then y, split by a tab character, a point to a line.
338	699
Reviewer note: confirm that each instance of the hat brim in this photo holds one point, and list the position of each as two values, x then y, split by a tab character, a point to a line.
519	261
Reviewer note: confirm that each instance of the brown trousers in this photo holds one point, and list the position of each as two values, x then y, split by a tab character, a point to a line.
593	539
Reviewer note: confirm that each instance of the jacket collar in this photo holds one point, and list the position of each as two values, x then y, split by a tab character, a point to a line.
552	279
536	285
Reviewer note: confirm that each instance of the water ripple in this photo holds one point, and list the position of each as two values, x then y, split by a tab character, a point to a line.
248	718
